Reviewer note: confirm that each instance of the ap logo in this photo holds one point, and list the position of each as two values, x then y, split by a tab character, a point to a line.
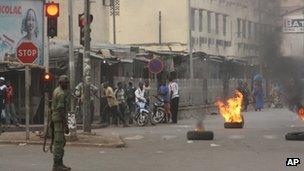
293	161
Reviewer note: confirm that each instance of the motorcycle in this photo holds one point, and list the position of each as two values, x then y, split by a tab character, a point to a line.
158	111
142	114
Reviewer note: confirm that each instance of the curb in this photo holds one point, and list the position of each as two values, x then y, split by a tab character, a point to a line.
73	144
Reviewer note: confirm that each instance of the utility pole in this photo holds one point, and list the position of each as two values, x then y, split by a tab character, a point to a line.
73	132
114	11
189	39
86	69
160	27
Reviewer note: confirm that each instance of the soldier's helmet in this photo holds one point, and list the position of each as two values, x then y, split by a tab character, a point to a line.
63	79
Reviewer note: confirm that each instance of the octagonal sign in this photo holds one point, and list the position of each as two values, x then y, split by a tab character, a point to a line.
27	52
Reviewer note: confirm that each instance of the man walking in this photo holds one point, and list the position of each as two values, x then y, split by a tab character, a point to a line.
2	100
174	95
60	106
9	105
130	94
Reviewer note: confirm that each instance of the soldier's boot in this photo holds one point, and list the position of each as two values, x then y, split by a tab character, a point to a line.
64	166
58	166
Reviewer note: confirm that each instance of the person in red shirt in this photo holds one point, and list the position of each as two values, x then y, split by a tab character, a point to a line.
9	105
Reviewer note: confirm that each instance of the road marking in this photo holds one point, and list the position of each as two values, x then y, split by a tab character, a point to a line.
136	137
236	137
168	137
271	137
159	152
183	126
215	145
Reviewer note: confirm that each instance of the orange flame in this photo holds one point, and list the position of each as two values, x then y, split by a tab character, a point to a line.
231	109
301	113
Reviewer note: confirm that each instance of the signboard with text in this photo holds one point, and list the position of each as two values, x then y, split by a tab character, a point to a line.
293	24
21	31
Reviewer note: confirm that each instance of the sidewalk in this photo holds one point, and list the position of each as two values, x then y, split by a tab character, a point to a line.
101	140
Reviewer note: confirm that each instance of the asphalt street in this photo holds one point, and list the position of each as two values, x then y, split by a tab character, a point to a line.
259	146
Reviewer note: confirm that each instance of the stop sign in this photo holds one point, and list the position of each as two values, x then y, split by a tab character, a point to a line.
27	52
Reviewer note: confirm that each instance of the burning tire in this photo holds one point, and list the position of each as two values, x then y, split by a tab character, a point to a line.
200	135
295	136
235	125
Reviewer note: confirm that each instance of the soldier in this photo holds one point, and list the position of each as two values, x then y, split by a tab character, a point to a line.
60	106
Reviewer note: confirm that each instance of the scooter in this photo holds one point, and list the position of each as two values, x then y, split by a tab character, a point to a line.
158	111
142	114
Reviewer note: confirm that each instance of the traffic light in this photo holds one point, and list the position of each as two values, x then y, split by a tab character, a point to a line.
47	79
81	24
52	14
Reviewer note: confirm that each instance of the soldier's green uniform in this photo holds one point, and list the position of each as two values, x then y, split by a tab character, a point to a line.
60	105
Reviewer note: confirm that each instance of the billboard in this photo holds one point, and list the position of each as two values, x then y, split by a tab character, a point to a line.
293	24
21	21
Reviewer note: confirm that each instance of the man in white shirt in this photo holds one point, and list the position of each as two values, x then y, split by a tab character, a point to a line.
174	95
140	93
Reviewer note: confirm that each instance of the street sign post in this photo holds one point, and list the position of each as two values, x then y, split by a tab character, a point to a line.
27	52
156	66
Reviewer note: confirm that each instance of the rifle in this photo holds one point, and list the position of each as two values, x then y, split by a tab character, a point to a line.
50	125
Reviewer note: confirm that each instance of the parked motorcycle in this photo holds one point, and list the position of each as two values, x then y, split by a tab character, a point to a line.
142	114
158	111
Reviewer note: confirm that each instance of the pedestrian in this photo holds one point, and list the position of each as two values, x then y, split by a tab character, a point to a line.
2	100
258	96
246	95
103	106
174	96
113	103
79	92
121	98
147	89
130	95
60	107
164	93
9	105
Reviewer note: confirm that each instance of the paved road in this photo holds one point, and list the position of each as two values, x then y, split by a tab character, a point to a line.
260	146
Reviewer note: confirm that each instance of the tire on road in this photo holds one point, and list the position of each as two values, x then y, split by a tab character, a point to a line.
233	125
200	135
295	136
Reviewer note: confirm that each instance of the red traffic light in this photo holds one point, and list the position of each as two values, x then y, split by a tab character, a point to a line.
47	77
81	19
52	9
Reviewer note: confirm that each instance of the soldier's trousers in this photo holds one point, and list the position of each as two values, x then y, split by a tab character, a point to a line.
59	141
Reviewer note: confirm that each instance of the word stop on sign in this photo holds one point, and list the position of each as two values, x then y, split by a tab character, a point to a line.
27	52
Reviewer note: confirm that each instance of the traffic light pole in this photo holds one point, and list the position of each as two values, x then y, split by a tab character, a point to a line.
73	131
86	69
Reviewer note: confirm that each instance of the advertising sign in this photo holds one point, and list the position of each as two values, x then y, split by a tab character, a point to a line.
293	24
21	26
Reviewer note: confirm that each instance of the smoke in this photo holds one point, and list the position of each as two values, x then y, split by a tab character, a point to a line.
285	71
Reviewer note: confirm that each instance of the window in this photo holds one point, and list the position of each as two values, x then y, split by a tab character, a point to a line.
238	27
200	20
249	29
217	23
224	25
209	21
192	17
244	29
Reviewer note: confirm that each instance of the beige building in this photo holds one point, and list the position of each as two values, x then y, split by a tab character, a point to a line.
293	31
100	29
219	27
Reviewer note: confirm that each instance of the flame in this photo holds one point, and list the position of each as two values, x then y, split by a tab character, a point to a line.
301	113
231	109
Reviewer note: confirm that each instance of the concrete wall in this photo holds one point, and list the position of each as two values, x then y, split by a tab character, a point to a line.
100	25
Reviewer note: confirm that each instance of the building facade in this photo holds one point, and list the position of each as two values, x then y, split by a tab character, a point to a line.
292	13
218	27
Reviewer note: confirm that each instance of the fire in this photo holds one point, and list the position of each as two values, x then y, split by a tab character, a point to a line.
231	109
301	113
